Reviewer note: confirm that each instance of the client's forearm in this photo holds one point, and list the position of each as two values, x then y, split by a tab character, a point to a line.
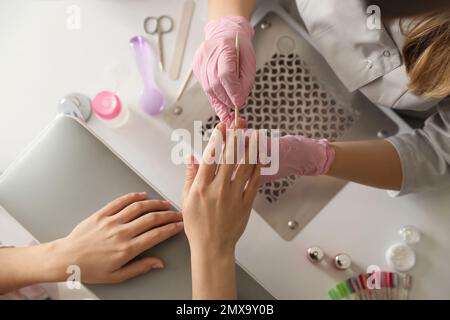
21	267
213	275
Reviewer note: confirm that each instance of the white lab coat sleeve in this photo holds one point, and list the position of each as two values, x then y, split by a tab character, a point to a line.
425	153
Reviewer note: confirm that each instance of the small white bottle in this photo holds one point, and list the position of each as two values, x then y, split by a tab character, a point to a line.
108	107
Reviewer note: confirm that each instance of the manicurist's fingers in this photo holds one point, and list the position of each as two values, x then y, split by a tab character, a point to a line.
203	68
230	84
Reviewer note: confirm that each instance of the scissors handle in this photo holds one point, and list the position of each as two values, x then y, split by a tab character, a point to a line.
154	25
165	24
160	25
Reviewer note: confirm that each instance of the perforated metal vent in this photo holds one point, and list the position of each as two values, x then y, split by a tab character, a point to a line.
288	97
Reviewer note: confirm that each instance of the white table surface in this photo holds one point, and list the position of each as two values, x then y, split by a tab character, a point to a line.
42	60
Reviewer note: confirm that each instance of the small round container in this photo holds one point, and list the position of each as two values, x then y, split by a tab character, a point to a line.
108	107
342	261
400	257
315	254
409	235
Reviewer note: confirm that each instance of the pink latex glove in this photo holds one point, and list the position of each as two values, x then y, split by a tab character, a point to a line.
302	156
297	155
215	64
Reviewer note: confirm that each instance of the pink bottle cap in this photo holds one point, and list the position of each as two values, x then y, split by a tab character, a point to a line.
106	105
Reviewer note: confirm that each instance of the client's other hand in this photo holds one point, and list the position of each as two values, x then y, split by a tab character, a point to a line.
105	244
216	208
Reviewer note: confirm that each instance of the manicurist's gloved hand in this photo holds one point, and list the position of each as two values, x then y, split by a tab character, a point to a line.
215	64
301	156
297	155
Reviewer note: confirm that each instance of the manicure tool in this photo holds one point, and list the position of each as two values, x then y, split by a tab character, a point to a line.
238	62
159	26
178	109
151	100
236	109
183	33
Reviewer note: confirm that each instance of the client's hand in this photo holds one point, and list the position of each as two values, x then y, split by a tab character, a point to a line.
216	209
105	244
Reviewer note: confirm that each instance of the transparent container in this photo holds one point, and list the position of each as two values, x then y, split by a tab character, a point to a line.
108	108
409	235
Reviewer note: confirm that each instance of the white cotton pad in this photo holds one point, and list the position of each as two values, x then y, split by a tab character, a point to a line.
400	257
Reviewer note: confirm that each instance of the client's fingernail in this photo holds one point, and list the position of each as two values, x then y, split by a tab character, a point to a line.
188	161
143	194
180	224
158	265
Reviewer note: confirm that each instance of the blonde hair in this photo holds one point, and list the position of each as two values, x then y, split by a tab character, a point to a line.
427	54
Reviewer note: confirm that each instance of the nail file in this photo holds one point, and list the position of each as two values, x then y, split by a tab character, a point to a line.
238	63
183	33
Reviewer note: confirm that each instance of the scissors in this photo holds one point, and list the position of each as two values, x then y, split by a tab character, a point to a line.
159	26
